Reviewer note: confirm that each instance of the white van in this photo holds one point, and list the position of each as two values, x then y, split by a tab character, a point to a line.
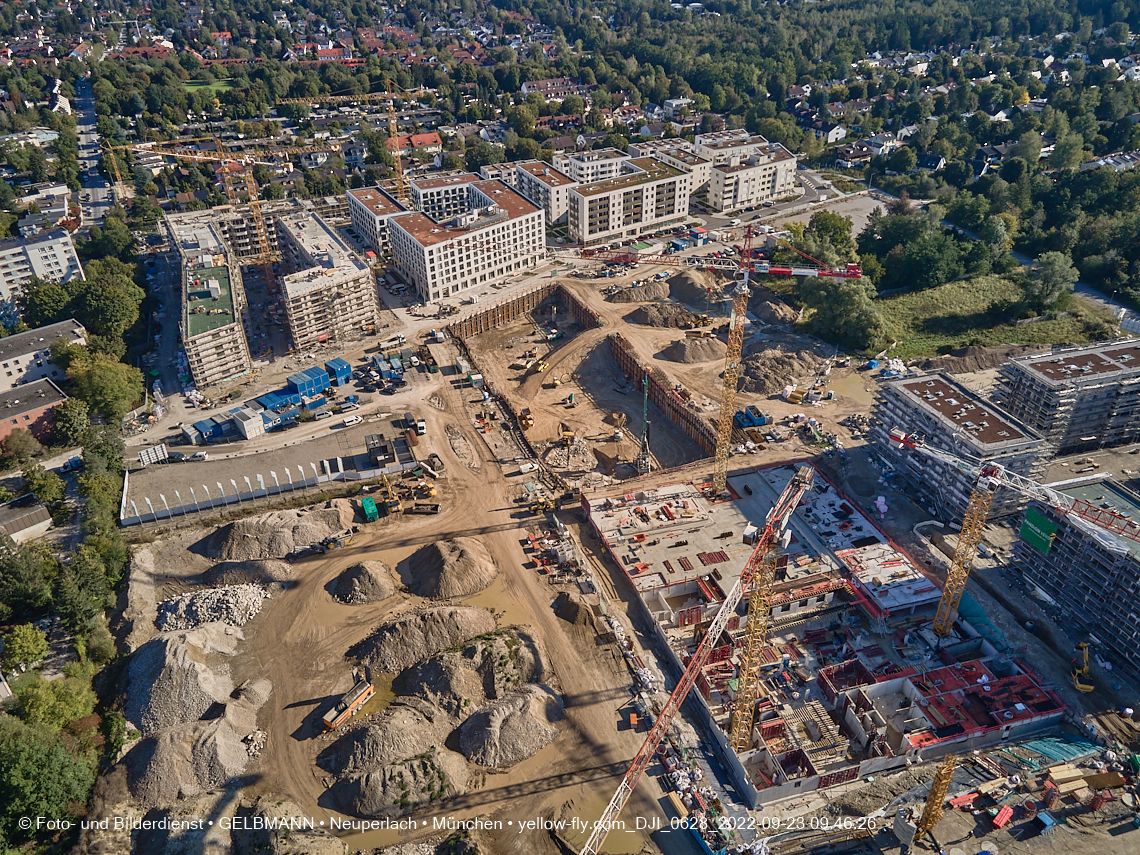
353	420
199	455
323	414
735	222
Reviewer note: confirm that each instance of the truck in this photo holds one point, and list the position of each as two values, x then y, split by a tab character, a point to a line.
371	512
347	706
424	508
414	423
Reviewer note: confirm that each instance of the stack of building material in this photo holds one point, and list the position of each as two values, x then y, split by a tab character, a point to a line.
1068	778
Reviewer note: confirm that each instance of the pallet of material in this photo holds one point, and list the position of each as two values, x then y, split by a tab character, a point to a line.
987	787
1064	774
1071	786
1104	780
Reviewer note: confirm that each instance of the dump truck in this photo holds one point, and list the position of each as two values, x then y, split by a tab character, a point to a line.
425	508
346	707
371	512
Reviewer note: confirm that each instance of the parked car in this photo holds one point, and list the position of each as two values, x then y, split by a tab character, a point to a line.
322	414
350	421
199	455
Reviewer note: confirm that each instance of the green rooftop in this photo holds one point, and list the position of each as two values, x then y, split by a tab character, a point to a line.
204	311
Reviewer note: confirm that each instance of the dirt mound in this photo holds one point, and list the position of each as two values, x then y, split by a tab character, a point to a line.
278	533
696	287
769	371
175	678
690	350
141	608
458	681
769	307
406	728
456	567
366	582
235	605
668	315
402	642
574	611
973	358
191	758
402	786
260	572
285	840
509	730
656	290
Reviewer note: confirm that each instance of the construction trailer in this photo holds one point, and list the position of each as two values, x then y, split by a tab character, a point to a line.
349	704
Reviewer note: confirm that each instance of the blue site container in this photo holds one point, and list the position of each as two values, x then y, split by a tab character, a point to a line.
339	372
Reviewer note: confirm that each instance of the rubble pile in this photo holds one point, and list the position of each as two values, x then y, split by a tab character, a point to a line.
964	360
576	457
656	290
235	605
668	315
399	643
690	350
511	729
457	567
279	533
769	371
366	582
282	838
399	787
769	307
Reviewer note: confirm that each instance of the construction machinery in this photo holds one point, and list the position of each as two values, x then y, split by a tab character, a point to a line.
644	458
540	366
347	706
526	419
1083	671
774	525
371	512
935	800
392	502
542	506
988	478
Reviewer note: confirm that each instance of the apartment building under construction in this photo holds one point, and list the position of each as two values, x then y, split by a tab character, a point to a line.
1080	398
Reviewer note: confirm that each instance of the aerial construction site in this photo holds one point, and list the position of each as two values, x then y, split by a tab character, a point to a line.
631	566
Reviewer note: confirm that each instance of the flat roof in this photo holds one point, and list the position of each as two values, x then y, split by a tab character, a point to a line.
597	154
320	240
545	173
729	143
30	396
194	234
215	313
41	338
963	411
444	181
648	169
1078	364
1108	495
377	201
428	232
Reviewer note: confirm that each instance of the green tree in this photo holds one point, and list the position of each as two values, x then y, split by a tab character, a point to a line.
23	645
39	776
836	229
20	447
108	387
903	159
1053	276
72	421
26	576
1028	147
1068	152
47	486
55	703
843	312
481	154
43	302
81	591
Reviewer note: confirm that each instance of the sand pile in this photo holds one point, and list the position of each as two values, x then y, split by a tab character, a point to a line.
696	287
574	611
406	728
191	758
769	307
278	533
259	572
457	567
668	315
176	677
284	840
867	799
235	605
690	350
409	639
511	729
656	290
769	371
973	358
366	582
403	786
459	681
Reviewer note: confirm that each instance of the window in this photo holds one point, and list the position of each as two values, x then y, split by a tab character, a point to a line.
27	418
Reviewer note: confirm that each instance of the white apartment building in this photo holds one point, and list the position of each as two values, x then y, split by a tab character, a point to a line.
679	153
545	186
504	172
370	208
213	303
647	195
737	135
586	167
329	293
751	175
502	233
441	198
47	256
26	357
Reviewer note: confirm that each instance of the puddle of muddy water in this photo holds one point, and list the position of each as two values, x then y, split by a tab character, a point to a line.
507	610
851	387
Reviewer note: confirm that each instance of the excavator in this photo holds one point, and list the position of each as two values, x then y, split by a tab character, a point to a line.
1083	671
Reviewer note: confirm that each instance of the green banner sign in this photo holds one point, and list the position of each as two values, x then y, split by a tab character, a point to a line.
1038	531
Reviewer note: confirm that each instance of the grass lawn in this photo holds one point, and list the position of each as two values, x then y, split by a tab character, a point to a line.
980	311
215	87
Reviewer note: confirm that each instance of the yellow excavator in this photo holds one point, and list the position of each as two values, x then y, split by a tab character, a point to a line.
1082	671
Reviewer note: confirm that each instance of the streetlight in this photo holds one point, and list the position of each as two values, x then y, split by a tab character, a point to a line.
197	508
233	484
154	516
179	495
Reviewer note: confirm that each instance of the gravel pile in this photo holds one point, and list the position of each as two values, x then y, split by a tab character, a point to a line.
176	677
285	840
697	287
404	786
511	729
690	350
188	759
406	728
668	315
260	572
457	567
235	605
656	290
366	582
399	643
769	307
769	371
278	533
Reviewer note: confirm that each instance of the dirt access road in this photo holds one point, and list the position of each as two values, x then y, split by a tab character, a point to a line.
301	636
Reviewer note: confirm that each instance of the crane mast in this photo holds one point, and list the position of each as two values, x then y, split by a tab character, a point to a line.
732	368
988	477
774	525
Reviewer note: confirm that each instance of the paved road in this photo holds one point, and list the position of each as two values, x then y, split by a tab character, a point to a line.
96	196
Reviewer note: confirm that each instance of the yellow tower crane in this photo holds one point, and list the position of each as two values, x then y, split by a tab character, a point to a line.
732	368
988	478
936	799
394	139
